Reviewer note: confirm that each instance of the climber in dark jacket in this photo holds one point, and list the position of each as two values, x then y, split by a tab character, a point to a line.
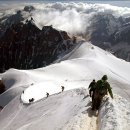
92	88
101	89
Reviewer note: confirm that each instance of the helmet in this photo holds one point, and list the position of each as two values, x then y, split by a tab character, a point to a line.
104	77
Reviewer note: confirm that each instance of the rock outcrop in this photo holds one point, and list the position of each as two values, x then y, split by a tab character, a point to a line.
2	87
25	46
1	108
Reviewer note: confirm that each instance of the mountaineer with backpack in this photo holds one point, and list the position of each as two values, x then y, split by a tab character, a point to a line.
102	87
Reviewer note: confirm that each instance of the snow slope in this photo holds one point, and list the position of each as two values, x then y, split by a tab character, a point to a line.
15	82
115	114
86	63
71	109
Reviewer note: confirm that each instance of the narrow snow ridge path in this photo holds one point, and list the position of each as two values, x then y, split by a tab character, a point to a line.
92	122
83	123
86	120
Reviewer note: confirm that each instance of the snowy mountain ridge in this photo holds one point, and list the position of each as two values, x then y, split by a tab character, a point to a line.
72	108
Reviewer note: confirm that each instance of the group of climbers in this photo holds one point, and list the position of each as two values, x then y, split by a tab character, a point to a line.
62	89
98	90
47	94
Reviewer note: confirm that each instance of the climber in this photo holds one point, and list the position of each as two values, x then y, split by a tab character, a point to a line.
47	94
62	87
92	88
101	89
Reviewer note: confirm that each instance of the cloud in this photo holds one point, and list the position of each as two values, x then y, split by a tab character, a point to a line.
74	18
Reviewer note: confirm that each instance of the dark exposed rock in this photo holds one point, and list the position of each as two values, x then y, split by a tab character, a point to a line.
9	20
123	34
1	108
25	46
2	87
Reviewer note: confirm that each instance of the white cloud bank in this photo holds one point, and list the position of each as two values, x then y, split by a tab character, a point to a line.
71	17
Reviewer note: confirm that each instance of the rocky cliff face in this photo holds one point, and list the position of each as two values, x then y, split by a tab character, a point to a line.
25	46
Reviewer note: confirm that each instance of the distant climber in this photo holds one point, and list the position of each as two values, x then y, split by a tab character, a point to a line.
32	19
31	100
101	89
92	88
47	94
62	88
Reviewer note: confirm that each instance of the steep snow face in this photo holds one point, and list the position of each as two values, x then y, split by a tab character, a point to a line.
118	107
58	111
14	78
15	82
